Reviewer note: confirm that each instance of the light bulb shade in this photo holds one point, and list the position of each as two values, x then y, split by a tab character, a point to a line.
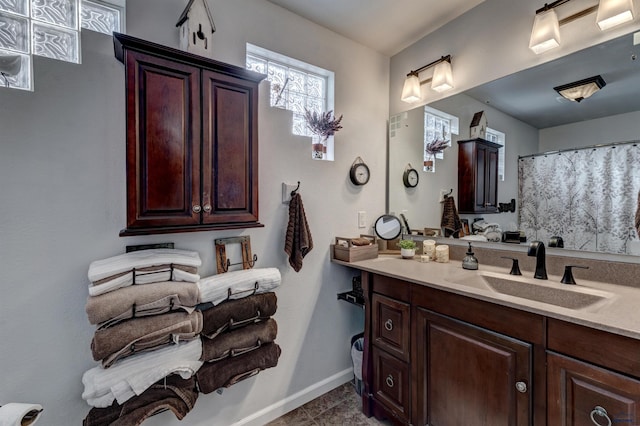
614	12
411	89
545	34
582	89
442	77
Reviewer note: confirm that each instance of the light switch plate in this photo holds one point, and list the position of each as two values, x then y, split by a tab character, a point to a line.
636	38
362	219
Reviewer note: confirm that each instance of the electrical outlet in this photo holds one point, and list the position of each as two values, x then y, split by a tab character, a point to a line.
362	219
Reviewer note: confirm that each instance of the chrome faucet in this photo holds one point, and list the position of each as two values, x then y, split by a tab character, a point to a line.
536	248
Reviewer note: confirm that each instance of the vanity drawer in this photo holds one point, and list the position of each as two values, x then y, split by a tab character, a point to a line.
391	330
391	383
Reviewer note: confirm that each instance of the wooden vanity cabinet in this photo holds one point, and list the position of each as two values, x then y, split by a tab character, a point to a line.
192	140
477	176
593	376
459	369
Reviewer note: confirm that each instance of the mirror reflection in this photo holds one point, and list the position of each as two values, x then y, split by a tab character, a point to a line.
532	118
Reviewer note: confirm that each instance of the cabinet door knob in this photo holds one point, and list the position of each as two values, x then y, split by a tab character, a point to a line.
388	325
599	411
207	208
389	381
196	208
521	387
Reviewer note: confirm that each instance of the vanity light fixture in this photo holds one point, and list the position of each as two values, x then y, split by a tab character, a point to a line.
614	12
545	34
579	90
441	81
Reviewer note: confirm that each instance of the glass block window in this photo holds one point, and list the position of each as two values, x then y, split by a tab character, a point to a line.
495	136
49	28
295	85
438	125
101	17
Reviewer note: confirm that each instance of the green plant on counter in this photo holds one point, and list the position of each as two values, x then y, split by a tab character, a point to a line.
407	244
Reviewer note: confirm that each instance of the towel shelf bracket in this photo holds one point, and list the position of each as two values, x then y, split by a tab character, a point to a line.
223	263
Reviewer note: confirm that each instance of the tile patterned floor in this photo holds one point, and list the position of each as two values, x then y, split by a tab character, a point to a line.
341	406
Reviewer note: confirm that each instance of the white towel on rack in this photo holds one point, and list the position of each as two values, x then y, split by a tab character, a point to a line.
101	269
135	374
238	284
143	278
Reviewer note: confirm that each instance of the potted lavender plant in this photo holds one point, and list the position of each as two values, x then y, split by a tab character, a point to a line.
322	125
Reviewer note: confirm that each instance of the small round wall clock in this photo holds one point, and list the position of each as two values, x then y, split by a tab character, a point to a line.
359	173
410	177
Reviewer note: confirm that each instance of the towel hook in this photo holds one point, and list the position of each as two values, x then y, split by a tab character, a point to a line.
448	193
295	190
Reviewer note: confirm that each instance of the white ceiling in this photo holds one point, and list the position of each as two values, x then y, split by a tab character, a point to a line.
387	26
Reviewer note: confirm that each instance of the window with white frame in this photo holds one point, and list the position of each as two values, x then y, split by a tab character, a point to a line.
495	136
295	86
438	125
49	28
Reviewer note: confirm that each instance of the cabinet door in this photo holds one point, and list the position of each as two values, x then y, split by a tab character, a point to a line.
481	177
491	179
581	394
470	376
230	149
391	325
163	142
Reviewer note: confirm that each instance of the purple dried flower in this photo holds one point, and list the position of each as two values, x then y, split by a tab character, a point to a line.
436	146
322	124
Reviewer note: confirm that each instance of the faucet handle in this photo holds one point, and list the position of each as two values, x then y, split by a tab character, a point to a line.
567	278
515	267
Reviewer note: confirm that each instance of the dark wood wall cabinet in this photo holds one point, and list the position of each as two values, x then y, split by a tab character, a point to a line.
477	176
192	140
436	358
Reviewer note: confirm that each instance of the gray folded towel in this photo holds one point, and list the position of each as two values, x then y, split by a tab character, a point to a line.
229	371
237	313
236	342
143	334
141	300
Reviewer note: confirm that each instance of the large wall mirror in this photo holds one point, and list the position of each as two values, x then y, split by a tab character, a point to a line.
534	119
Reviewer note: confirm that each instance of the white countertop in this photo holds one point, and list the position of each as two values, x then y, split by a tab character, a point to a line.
618	310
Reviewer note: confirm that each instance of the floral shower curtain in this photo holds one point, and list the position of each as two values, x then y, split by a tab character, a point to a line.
589	197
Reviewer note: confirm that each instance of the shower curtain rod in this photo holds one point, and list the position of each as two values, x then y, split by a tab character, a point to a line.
594	147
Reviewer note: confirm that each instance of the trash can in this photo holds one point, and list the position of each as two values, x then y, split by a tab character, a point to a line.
356	356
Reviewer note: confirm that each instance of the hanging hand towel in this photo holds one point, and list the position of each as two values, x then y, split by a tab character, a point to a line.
638	216
298	241
450	219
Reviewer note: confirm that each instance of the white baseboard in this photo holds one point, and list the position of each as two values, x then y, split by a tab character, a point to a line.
296	400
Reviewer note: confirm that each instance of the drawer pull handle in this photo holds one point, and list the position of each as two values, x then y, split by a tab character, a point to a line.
521	387
390	383
598	410
388	325
196	209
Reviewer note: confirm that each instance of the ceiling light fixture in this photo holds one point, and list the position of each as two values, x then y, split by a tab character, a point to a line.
579	90
545	34
441	81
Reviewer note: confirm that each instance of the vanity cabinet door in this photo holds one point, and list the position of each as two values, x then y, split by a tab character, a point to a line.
391	385
467	375
583	394
477	176
391	330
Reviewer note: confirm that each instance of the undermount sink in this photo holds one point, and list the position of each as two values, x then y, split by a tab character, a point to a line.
549	292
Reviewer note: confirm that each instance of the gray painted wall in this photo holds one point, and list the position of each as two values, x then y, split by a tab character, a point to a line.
62	168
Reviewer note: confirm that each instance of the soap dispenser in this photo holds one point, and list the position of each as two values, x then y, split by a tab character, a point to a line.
470	261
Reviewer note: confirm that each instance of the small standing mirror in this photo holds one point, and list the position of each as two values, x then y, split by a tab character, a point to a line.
388	227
